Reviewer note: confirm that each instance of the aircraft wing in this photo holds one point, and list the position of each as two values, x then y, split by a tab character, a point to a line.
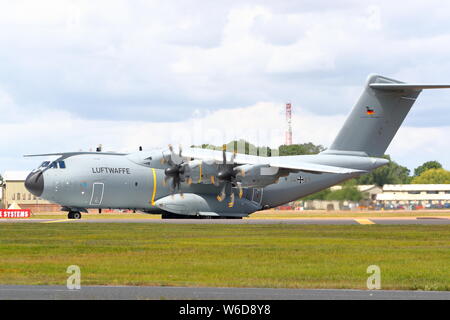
289	162
70	154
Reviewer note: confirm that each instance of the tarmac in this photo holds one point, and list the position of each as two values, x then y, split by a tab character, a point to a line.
15	292
310	221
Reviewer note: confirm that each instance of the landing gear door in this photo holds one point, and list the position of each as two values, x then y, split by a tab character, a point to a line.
257	195
97	193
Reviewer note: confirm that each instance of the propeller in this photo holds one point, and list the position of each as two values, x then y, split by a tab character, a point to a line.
227	173
175	170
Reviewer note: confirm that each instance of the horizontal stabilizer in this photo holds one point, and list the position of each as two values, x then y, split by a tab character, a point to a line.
407	86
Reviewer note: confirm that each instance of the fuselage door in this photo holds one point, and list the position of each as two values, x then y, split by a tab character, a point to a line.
97	193
257	195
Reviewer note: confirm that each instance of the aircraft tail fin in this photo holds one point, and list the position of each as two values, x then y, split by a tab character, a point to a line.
377	116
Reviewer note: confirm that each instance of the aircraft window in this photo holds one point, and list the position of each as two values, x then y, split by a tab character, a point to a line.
45	164
53	165
62	164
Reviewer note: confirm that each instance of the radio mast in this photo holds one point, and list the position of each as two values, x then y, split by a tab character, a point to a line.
288	141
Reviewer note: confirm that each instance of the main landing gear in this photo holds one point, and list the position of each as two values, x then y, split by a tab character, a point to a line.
74	215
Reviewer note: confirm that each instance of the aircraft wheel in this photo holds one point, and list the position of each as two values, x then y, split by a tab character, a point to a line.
70	215
76	215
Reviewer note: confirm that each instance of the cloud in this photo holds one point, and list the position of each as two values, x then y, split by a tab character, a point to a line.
121	61
262	124
78	73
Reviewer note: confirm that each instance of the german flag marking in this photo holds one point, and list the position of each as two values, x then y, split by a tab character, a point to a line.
370	111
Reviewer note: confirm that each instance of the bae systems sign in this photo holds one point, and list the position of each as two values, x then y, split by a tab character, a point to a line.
15	213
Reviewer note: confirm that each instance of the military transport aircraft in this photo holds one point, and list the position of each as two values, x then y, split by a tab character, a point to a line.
212	183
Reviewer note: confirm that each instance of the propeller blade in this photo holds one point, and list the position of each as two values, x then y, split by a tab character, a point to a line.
224	156
233	156
173	185
166	178
200	175
222	195
240	172
231	203
241	191
179	187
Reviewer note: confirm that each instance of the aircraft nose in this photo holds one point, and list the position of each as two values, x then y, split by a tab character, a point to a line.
35	183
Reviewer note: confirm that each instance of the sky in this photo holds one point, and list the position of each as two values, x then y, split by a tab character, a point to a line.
124	74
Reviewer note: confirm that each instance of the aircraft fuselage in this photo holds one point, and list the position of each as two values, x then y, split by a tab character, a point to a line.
128	182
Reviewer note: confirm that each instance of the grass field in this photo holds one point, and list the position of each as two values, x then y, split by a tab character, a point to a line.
349	214
277	256
272	214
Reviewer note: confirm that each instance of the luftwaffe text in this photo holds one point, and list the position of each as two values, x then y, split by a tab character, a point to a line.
111	170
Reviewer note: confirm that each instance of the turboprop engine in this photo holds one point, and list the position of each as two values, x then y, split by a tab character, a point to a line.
198	171
258	175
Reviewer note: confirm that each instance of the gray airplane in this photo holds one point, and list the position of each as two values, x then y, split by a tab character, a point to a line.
212	183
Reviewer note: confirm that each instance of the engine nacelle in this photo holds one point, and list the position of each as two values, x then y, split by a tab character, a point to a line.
200	171
258	175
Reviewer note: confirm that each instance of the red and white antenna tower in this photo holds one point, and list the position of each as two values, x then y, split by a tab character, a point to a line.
289	124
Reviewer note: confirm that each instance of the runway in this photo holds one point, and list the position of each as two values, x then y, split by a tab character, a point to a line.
181	293
306	221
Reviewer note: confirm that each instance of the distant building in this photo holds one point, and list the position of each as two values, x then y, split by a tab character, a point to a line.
390	195
371	190
420	194
13	191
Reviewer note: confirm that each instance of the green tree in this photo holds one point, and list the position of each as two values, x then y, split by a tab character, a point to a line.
346	193
426	166
236	145
284	150
433	176
321	195
350	193
299	149
392	173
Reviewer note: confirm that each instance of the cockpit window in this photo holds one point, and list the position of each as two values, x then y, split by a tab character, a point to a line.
44	164
52	165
